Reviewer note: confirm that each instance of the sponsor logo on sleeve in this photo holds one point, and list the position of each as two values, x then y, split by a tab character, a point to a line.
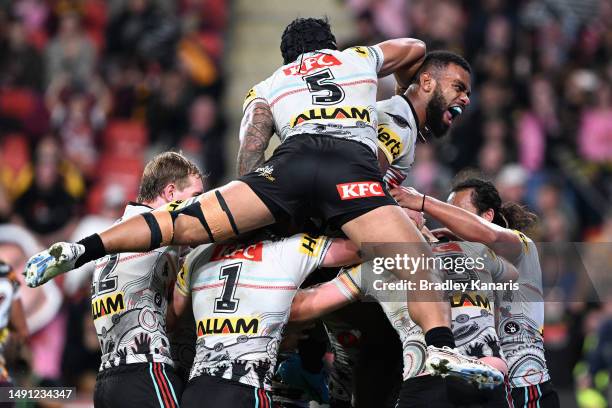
389	141
310	245
361	51
312	63
249	97
362	189
252	252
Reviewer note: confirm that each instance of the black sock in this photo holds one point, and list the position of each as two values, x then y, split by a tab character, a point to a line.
440	337
94	249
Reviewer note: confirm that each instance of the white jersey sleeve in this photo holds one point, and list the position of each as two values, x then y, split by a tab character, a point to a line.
397	135
301	254
348	282
195	259
373	55
495	265
256	94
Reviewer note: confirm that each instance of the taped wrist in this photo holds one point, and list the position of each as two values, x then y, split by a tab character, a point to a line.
94	249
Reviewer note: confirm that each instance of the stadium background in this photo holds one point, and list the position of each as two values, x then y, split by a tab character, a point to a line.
89	90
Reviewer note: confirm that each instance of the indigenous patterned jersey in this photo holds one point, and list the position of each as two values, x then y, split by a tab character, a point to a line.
473	320
129	302
241	296
397	133
472	309
325	92
9	291
521	319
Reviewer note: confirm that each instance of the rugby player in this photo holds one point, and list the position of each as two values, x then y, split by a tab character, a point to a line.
472	316
475	212
130	293
322	105
241	294
12	320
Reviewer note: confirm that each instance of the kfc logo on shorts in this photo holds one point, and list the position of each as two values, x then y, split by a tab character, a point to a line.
362	189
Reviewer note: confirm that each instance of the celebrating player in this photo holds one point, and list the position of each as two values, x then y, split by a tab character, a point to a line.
472	316
475	212
241	297
130	300
322	105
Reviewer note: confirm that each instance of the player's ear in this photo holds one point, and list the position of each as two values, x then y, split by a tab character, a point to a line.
427	82
169	192
488	215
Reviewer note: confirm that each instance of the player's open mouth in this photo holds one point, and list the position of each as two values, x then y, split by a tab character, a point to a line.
452	113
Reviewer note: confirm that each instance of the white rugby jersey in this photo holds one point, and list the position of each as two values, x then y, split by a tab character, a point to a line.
397	132
326	92
241	296
472	318
129	303
521	320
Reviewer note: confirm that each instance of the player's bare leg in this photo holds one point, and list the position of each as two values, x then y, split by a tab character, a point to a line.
397	228
214	216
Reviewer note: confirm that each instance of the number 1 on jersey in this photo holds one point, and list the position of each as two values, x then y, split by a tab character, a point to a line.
227	303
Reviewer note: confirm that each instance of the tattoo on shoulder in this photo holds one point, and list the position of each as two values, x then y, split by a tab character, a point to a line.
256	130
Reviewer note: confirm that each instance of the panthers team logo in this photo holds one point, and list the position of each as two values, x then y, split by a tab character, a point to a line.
266	172
512	328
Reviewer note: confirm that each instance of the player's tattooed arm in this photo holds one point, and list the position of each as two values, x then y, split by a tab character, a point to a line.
256	130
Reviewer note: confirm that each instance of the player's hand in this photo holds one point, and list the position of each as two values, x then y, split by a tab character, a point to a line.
408	197
417	217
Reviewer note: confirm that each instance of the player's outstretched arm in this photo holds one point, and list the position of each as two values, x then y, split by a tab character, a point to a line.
466	225
317	301
402	56
256	130
214	216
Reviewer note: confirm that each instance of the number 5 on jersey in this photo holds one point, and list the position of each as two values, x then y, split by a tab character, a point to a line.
227	303
330	93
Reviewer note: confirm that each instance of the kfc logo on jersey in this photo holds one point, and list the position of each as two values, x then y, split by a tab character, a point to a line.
250	253
350	191
311	63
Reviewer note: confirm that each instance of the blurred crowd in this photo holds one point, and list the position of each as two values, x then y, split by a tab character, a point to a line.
90	89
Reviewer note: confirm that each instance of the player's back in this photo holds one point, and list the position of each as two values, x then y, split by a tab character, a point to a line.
129	303
326	92
241	298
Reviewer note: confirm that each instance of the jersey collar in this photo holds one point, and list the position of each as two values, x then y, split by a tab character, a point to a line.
414	114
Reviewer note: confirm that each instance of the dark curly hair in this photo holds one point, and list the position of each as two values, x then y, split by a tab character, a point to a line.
485	196
305	35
